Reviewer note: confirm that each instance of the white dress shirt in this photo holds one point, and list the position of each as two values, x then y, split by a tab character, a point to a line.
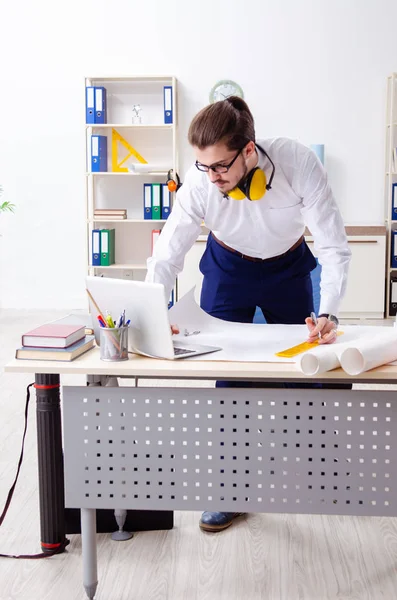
300	195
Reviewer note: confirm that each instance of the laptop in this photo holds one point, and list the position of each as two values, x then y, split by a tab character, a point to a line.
145	305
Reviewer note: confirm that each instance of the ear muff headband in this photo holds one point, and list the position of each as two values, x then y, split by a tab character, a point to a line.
253	187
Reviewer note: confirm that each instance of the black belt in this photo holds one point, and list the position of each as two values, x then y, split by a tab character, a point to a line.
254	258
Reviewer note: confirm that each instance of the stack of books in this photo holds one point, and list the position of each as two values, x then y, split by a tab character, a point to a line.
54	341
104	214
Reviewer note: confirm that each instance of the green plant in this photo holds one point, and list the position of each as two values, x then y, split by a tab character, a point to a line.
6	206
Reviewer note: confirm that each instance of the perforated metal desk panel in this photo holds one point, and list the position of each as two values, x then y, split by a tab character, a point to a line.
240	450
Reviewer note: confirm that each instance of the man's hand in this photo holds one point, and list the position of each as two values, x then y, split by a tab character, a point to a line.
174	329
324	327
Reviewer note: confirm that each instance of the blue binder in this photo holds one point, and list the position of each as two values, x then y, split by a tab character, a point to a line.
165	201
96	247
90	104
147	200
171	300
393	297
168	104
394	249
100	105
99	153
394	201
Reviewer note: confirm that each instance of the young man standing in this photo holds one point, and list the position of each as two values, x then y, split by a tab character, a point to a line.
256	197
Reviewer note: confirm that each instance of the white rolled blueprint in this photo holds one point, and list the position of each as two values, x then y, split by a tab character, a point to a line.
370	352
319	360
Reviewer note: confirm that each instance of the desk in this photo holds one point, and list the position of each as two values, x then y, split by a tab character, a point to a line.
47	380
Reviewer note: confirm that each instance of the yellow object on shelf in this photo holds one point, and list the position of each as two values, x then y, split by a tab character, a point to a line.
116	165
303	347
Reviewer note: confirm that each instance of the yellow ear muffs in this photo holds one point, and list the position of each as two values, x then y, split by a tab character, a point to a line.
237	194
257	185
253	187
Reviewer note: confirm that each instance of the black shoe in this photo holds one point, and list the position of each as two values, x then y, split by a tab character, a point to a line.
217	521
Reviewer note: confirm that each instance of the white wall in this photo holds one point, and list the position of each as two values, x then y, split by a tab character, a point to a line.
310	69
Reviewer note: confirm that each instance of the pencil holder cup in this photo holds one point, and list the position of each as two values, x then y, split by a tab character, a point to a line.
113	343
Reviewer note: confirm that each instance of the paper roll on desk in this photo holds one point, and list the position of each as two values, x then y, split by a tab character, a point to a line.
319	360
367	354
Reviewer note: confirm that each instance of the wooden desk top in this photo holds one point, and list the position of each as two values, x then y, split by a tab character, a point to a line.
150	368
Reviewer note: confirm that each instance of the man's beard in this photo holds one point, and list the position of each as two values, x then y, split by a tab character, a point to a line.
240	181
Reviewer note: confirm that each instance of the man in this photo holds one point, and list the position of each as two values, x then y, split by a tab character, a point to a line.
256	198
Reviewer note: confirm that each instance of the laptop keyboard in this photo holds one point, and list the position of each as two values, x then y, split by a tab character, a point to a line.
181	351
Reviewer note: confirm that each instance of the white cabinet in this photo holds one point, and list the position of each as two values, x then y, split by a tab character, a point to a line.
365	291
191	275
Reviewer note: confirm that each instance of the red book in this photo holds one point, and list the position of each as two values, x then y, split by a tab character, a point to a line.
52	335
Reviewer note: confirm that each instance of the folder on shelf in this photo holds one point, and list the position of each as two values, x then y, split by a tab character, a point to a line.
90	104
165	201
107	247
394	249
168	108
100	105
393	297
147	200
155	237
394	201
99	153
156	201
96	247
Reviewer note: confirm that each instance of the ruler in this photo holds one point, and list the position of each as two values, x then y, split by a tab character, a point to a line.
116	165
303	347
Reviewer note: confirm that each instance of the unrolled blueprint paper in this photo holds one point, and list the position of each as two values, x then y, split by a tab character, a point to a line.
248	342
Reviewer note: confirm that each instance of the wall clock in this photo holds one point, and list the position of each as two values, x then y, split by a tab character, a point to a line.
225	88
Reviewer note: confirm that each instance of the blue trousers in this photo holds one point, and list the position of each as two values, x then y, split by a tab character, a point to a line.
233	287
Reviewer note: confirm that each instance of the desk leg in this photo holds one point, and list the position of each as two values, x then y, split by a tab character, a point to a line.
50	459
88	546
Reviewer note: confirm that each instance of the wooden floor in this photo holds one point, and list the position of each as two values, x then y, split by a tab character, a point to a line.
262	556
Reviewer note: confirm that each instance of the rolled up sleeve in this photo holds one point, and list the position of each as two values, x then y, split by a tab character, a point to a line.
322	216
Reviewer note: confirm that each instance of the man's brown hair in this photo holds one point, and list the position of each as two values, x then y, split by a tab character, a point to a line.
228	121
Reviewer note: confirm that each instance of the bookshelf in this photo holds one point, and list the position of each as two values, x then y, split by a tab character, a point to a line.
127	221
103	174
390	179
155	141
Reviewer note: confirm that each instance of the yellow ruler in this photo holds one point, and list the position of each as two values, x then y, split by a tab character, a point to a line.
295	350
116	165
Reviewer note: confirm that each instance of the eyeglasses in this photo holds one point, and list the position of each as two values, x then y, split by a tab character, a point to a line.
217	168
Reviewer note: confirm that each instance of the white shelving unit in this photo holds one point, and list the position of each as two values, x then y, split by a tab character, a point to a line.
135	126
156	142
390	178
104	174
125	221
120	266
